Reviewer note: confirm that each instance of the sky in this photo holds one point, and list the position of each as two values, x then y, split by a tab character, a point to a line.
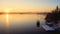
29	5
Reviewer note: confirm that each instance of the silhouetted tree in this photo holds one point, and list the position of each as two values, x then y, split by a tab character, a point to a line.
53	16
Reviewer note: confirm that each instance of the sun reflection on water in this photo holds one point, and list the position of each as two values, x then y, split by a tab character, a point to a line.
7	10
7	21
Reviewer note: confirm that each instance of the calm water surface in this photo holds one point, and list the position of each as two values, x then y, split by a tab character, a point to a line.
20	23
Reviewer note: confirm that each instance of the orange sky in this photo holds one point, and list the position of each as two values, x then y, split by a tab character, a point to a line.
29	10
29	5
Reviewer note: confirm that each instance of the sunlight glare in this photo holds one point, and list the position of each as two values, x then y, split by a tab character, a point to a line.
7	22
7	10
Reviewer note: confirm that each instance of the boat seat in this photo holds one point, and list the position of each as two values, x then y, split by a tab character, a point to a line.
47	28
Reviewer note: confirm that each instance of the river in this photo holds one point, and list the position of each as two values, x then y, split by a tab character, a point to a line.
20	23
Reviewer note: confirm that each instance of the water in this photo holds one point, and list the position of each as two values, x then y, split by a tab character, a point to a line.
20	23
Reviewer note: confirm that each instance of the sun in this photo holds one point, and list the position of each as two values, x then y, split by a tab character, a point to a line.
7	10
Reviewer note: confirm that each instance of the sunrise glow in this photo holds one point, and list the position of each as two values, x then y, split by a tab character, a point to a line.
7	10
28	5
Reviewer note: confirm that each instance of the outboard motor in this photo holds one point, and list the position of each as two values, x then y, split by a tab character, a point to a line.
38	24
